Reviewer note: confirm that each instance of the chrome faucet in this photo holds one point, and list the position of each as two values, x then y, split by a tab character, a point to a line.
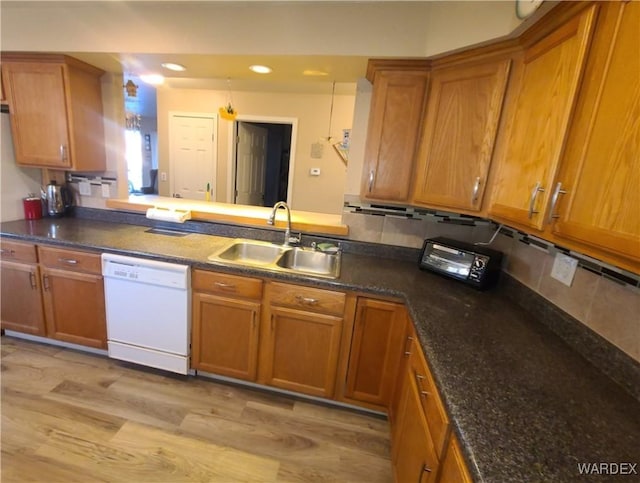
288	239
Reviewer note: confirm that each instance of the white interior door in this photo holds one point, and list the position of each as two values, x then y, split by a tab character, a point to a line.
192	151
251	164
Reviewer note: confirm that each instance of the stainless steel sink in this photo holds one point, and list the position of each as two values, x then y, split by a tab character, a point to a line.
310	261
250	252
279	258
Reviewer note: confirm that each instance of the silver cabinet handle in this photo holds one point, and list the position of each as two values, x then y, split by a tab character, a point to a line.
63	152
371	178
407	352
532	201
419	379
225	286
7	252
306	300
554	200
45	282
32	280
476	190
68	261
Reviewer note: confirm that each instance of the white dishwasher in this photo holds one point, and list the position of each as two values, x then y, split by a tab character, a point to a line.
148	311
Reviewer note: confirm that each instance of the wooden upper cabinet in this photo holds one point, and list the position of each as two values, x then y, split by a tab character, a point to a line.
460	126
394	125
546	80
600	171
55	105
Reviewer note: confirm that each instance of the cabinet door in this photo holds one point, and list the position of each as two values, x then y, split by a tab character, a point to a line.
550	72
453	468
463	111
376	350
74	307
600	172
414	457
36	95
394	126
21	303
224	337
300	351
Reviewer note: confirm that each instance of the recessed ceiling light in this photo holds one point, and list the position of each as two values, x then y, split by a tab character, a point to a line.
153	79
260	69
174	67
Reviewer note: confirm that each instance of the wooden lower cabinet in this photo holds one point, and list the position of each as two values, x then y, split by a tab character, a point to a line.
376	351
414	456
300	339
21	299
225	324
73	296
453	468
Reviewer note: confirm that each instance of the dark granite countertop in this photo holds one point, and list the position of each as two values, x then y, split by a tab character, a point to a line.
525	405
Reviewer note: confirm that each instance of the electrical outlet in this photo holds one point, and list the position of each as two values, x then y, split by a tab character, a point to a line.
106	190
314	171
564	269
85	188
163	176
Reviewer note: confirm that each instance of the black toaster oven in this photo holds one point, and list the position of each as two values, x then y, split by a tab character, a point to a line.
474	265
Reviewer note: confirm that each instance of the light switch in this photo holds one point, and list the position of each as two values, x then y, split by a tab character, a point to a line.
106	191
564	269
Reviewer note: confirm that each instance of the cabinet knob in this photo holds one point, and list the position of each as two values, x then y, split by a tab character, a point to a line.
532	200
554	200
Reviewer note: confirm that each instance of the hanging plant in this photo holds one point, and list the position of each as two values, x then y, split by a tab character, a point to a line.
228	112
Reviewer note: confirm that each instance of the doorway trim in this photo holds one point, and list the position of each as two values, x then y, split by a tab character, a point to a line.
233	133
214	147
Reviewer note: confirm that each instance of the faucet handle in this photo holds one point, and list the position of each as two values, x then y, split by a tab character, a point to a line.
295	239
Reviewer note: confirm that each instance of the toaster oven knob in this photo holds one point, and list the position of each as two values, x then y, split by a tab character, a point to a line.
479	263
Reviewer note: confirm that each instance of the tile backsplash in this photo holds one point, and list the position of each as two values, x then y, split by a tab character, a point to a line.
602	297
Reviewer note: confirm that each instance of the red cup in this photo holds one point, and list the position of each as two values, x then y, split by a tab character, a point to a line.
32	208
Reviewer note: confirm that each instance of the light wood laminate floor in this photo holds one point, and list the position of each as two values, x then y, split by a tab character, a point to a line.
71	416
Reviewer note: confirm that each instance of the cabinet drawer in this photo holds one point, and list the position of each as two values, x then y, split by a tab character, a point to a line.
313	299
434	412
18	252
222	283
70	260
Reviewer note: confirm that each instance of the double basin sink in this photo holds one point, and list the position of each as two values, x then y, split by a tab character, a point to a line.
280	258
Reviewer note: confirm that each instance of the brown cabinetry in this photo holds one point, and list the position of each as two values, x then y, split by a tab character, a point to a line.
21	301
595	198
73	296
546	80
300	338
55	104
453	468
225	324
399	91
376	351
461	121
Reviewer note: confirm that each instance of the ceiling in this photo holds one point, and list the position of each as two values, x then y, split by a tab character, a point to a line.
311	74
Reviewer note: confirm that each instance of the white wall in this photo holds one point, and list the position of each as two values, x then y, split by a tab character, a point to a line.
324	193
15	182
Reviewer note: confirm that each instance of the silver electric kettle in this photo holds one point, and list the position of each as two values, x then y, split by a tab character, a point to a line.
57	199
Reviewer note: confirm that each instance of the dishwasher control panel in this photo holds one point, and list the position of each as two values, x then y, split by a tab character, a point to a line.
145	271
